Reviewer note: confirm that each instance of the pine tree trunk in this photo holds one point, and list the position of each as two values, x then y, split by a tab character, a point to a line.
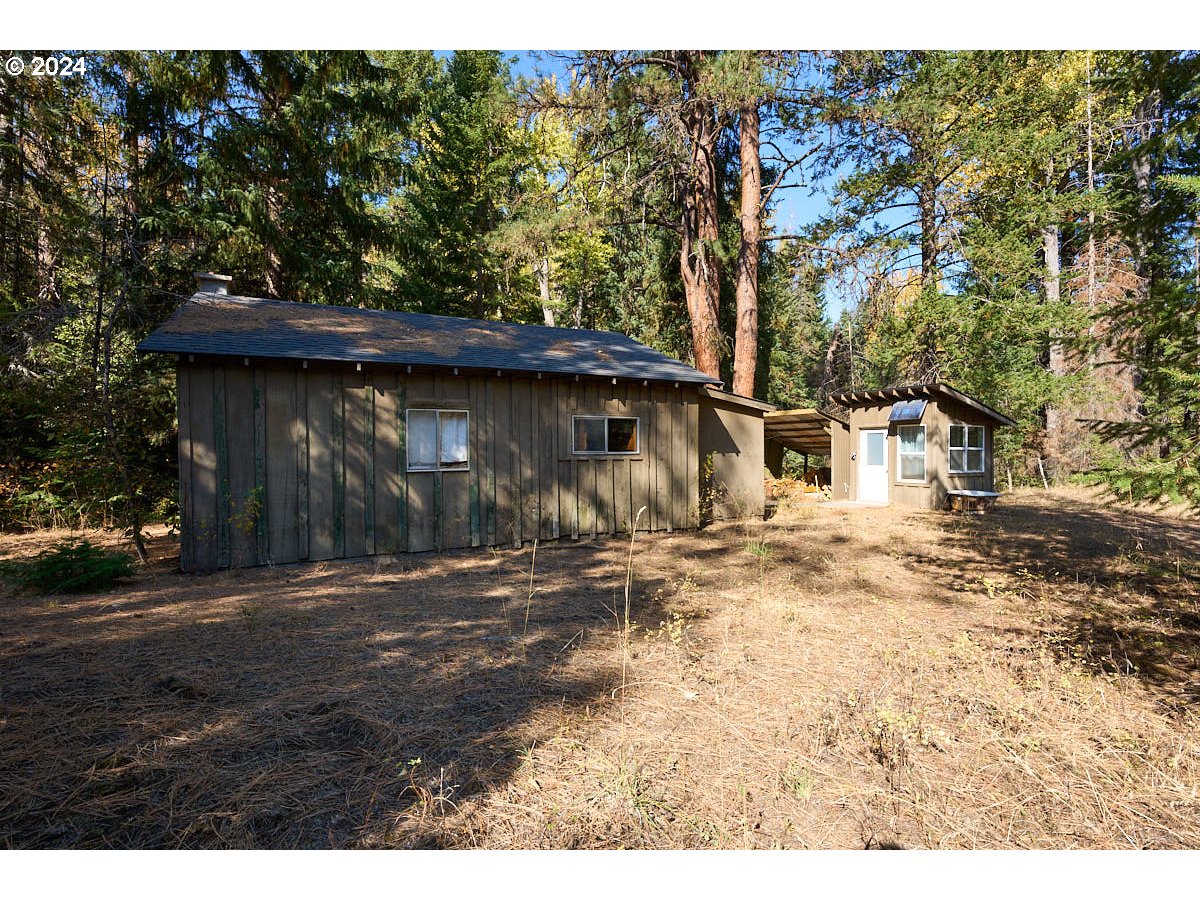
928	366
745	353
829	373
698	262
273	260
927	206
1145	114
1196	260
45	263
14	191
542	269
1057	364
1091	191
7	180
102	274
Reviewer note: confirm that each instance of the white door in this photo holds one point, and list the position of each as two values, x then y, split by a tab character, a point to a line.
872	466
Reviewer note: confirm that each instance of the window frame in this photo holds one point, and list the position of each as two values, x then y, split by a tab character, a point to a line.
924	454
437	444
966	448
637	432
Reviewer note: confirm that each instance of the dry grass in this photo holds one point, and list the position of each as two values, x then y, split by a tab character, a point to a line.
831	678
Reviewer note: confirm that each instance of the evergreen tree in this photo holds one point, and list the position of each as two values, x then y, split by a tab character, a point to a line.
469	156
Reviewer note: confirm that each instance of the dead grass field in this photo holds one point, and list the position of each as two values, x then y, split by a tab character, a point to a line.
831	678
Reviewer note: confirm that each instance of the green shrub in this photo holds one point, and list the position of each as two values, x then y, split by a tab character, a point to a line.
70	567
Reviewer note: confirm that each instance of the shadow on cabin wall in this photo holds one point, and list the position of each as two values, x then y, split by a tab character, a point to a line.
731	459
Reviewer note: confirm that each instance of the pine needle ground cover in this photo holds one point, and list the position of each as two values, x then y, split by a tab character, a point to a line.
830	678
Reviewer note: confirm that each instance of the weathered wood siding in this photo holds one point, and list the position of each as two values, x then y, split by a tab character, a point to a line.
280	463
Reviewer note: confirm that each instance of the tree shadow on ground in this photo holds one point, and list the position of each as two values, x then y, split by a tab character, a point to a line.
318	705
1121	589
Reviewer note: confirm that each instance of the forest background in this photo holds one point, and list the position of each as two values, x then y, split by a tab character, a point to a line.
1022	225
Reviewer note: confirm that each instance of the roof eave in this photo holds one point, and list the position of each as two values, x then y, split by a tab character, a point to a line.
729	397
426	367
905	392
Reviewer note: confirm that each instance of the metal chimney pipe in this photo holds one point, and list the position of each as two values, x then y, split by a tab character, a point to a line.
212	283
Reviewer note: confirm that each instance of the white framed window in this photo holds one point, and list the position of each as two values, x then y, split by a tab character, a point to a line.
966	449
910	448
606	435
437	440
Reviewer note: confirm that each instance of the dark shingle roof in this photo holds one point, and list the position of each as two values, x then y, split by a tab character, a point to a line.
223	325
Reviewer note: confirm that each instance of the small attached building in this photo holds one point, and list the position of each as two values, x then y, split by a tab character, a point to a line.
732	453
311	432
913	445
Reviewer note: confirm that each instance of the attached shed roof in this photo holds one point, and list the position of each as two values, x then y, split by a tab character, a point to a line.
802	430
225	325
737	399
872	396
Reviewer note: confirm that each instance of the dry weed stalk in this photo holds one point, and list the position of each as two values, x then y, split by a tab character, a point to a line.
529	602
628	591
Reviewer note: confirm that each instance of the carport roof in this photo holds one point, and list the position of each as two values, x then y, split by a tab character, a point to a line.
802	430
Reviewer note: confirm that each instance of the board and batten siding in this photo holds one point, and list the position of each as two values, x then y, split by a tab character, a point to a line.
280	463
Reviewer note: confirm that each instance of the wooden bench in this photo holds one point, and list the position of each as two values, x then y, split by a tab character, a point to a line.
971	501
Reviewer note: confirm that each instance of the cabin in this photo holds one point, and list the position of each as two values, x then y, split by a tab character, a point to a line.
922	445
313	432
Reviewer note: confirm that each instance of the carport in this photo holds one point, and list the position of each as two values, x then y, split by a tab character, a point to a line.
806	431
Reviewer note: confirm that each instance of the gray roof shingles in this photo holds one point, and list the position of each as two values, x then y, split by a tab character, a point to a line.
225	325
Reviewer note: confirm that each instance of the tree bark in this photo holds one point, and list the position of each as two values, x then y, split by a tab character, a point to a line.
8	227
698	262
928	365
1091	191
829	372
745	352
1057	363
273	261
1196	260
542	269
1146	114
927	206
45	257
